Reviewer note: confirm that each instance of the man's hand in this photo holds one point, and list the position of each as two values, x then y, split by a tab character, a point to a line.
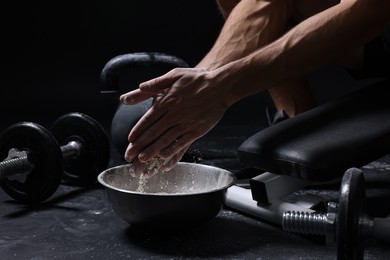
188	103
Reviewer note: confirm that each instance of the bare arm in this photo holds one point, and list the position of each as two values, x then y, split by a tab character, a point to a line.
315	42
192	101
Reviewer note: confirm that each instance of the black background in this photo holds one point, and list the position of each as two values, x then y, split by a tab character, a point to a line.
53	53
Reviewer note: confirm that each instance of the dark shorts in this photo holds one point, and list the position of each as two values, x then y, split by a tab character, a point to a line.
376	58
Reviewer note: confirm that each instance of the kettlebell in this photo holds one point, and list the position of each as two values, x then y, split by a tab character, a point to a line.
137	67
125	118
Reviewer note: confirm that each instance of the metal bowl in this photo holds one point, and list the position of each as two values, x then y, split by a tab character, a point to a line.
187	194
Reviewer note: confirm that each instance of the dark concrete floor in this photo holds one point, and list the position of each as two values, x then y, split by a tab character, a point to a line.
79	223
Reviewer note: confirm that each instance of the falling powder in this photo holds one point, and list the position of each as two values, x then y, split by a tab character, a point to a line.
151	168
142	182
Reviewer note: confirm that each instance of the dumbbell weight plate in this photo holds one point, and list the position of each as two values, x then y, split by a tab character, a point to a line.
95	152
349	239
46	155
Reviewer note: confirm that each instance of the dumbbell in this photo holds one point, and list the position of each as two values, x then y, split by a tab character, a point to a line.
345	222
36	160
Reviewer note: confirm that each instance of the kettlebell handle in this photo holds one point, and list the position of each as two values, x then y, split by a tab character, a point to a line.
109	76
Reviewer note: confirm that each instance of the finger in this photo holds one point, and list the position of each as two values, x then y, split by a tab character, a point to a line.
160	83
165	146
131	152
173	160
146	131
149	168
153	166
135	96
145	123
176	146
138	168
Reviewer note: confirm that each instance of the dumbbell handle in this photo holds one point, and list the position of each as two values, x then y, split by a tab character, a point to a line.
318	224
15	166
21	165
71	150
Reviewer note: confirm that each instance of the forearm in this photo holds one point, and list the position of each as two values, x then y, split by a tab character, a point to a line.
251	25
310	45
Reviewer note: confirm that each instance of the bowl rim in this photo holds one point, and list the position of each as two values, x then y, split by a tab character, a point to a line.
111	187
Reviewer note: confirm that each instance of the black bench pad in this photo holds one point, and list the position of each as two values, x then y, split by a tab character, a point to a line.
321	144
